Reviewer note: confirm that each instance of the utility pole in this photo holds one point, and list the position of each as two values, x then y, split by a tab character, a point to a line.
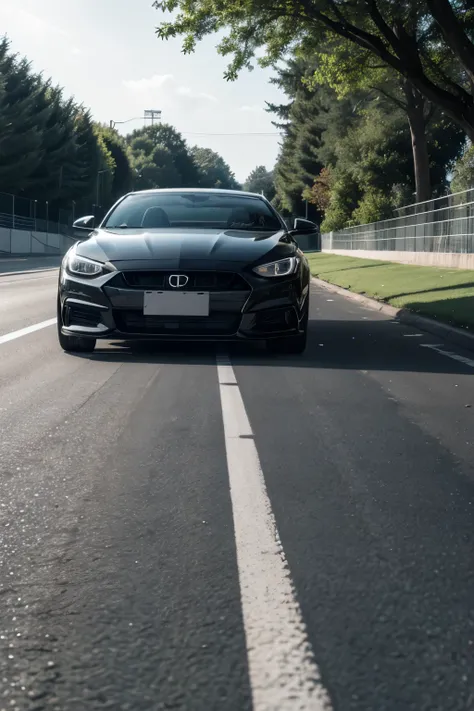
152	114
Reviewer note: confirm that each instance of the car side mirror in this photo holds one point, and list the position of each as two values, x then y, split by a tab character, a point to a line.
302	227
83	226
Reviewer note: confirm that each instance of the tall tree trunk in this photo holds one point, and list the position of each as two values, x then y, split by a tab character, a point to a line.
415	108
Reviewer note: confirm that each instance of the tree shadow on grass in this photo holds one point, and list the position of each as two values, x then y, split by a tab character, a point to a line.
455	312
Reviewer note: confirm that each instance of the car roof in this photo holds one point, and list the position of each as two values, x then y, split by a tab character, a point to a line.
218	191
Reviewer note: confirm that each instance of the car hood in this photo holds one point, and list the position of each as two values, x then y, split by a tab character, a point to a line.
173	248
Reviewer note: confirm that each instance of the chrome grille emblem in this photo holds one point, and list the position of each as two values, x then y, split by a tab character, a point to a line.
177	281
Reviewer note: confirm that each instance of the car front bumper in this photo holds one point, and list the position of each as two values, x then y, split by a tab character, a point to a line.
108	308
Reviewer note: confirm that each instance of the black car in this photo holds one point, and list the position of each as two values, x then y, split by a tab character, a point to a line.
215	265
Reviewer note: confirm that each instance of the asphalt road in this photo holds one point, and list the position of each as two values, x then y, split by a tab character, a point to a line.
139	494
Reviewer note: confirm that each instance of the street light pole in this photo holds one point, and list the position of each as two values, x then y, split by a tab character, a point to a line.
34	212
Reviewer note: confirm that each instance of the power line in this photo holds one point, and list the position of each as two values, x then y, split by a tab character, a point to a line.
157	114
249	133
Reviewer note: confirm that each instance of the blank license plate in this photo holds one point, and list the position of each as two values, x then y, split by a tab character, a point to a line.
176	303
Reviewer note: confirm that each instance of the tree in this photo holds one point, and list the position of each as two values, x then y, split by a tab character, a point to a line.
463	173
185	173
298	163
24	112
261	181
320	193
413	38
154	167
55	178
122	179
93	165
214	172
346	68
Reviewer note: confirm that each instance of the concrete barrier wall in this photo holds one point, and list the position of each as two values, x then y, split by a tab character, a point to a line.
25	242
427	259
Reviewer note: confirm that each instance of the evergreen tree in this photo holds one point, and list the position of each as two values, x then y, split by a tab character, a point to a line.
24	112
261	180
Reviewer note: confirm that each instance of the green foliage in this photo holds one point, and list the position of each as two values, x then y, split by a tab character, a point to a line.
161	158
375	205
23	114
50	149
345	195
428	43
122	178
299	161
463	173
361	137
214	172
260	181
153	167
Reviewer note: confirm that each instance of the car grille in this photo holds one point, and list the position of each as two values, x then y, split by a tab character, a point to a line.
218	324
206	280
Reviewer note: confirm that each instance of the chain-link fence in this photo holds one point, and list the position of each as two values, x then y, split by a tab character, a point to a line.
29	226
20	213
444	224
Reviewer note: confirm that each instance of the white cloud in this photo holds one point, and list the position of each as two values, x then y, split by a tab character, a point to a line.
164	89
191	94
157	81
32	24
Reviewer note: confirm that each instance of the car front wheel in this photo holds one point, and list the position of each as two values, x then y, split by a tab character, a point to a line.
73	344
291	344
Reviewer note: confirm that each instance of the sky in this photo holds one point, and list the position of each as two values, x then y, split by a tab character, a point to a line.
105	53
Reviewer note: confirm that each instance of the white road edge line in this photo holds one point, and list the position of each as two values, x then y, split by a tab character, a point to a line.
282	669
448	354
26	331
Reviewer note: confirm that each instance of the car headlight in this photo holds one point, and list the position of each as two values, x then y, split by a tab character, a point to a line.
83	267
282	267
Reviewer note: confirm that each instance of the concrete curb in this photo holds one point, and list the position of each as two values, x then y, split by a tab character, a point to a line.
448	333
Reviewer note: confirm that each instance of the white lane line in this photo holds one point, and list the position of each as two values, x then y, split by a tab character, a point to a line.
454	356
283	673
26	331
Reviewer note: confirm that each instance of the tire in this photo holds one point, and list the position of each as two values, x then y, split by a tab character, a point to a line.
292	345
73	344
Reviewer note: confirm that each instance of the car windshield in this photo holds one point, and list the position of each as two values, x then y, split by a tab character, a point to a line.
193	210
